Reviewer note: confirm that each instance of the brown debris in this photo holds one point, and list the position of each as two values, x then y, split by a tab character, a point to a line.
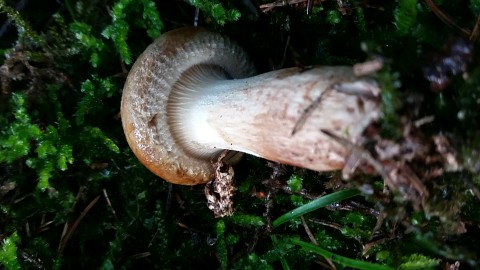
220	191
476	31
447	153
19	66
71	227
272	185
298	4
34	73
406	165
368	67
452	266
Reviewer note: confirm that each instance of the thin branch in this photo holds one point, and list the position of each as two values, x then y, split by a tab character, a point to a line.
105	195
308	111
69	230
308	231
444	17
476	31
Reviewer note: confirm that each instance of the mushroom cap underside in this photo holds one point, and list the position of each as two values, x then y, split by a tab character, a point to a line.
149	127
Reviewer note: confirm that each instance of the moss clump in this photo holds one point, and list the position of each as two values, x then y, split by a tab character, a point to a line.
8	252
216	10
72	195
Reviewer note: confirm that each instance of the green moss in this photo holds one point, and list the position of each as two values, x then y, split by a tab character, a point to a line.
153	24
360	19
118	30
357	225
86	39
246	220
8	252
295	183
391	103
16	136
405	16
221	245
333	17
62	145
418	261
253	261
329	240
217	11
475	6
25	31
384	257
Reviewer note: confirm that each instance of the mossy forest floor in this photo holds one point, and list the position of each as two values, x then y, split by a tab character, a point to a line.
73	196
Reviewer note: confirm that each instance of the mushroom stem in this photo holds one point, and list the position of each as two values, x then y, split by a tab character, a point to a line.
187	98
258	115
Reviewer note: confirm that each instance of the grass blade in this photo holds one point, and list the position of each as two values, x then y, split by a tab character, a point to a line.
316	204
357	264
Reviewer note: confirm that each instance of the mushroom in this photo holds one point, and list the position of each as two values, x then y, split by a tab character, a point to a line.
192	94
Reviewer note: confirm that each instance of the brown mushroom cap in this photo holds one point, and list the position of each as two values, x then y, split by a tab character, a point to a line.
149	122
